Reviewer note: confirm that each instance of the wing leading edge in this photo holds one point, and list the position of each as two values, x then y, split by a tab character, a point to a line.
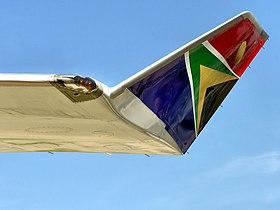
159	110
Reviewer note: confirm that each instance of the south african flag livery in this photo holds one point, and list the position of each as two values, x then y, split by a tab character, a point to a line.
187	91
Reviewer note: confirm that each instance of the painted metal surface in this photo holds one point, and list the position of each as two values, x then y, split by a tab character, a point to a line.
133	111
186	92
239	44
38	117
167	93
206	71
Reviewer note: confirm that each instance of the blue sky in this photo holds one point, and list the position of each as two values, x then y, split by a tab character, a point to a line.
234	163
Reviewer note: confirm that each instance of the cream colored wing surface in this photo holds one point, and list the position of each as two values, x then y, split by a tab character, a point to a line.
39	113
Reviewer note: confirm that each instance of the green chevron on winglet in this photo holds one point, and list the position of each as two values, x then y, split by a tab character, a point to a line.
207	70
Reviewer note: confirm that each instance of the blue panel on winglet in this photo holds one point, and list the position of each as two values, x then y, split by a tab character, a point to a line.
167	93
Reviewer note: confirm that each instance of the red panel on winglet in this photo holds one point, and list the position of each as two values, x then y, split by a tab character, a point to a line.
229	41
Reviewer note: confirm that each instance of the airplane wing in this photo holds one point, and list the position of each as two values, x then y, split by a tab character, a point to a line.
159	110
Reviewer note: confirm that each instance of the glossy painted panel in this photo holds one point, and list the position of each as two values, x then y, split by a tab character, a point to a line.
206	70
167	93
213	98
185	93
230	42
